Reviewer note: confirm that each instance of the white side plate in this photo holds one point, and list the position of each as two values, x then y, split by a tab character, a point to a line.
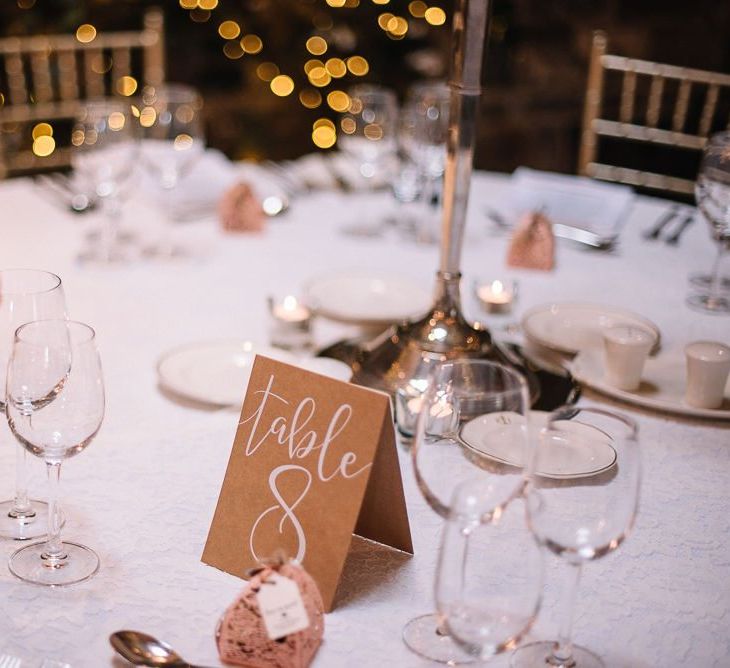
366	299
497	435
570	327
662	385
217	372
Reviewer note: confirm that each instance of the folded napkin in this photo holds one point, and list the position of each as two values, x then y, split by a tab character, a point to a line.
576	201
533	244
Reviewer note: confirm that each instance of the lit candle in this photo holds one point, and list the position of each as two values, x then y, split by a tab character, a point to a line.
496	297
290	324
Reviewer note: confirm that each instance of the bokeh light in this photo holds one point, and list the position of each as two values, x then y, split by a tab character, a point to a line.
207	4
316	45
229	30
147	117
310	98
336	67
358	66
336	3
252	44
42	130
116	121
338	100
233	50
43	146
435	16
324	136
417	8
85	33
282	85
266	71
126	85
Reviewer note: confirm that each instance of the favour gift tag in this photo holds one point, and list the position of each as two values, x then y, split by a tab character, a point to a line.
282	607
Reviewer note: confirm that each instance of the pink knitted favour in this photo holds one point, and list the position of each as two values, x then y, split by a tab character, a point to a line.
241	634
240	210
533	244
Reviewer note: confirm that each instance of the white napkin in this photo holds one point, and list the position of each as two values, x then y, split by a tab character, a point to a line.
570	200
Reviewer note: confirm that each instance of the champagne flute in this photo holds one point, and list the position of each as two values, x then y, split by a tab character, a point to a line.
172	128
580	518
712	191
55	406
25	294
471	428
105	147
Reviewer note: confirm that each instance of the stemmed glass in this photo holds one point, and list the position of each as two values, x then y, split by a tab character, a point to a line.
490	577
471	428
105	148
55	406
712	191
25	294
174	140
581	518
369	131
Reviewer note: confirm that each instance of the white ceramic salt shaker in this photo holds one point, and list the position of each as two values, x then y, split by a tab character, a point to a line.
708	366
626	349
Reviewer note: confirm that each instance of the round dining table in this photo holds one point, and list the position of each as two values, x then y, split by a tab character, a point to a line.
144	492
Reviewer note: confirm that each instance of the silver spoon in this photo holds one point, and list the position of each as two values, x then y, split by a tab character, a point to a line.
144	650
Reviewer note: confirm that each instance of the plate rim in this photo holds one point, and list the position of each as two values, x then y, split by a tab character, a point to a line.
583	305
551	476
365	274
639	400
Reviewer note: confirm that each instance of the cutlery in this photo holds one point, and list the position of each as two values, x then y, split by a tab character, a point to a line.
7	661
561	231
144	650
673	240
663	221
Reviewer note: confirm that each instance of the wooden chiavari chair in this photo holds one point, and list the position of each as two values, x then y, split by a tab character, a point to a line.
679	110
47	78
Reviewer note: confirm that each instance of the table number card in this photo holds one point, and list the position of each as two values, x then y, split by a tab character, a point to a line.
313	461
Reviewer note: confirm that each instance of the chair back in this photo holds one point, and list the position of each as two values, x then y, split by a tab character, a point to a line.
48	77
660	105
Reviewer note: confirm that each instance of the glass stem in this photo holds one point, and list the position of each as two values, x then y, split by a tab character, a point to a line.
53	553
110	229
563	649
21	503
715	278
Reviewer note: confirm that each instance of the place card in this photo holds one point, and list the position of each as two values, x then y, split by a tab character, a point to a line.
313	461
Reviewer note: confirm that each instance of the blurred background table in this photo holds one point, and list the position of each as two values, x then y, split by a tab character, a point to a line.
144	493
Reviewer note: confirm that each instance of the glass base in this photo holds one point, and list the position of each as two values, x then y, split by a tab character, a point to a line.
422	636
24	528
705	280
719	304
541	654
30	564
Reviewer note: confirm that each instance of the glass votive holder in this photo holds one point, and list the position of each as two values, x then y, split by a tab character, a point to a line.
408	401
496	296
290	324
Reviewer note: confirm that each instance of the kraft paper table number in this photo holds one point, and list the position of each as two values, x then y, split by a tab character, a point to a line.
314	460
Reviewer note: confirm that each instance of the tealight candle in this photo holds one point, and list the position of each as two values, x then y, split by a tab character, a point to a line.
290	324
497	296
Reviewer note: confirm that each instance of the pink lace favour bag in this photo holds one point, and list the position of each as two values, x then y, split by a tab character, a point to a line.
242	636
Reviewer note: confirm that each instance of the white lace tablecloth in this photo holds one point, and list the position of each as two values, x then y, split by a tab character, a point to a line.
143	493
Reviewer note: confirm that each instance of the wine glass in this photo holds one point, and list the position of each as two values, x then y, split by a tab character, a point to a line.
581	517
369	131
471	427
25	294
712	191
489	598
105	146
55	406
172	128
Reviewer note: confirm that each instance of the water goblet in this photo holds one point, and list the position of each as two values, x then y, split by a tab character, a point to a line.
578	519
489	598
471	427
25	294
712	191
174	140
105	146
55	406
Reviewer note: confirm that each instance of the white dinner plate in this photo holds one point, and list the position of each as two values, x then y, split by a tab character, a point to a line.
495	436
217	372
366	298
570	327
662	385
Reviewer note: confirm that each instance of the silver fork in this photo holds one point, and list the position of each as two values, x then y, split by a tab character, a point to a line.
7	661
